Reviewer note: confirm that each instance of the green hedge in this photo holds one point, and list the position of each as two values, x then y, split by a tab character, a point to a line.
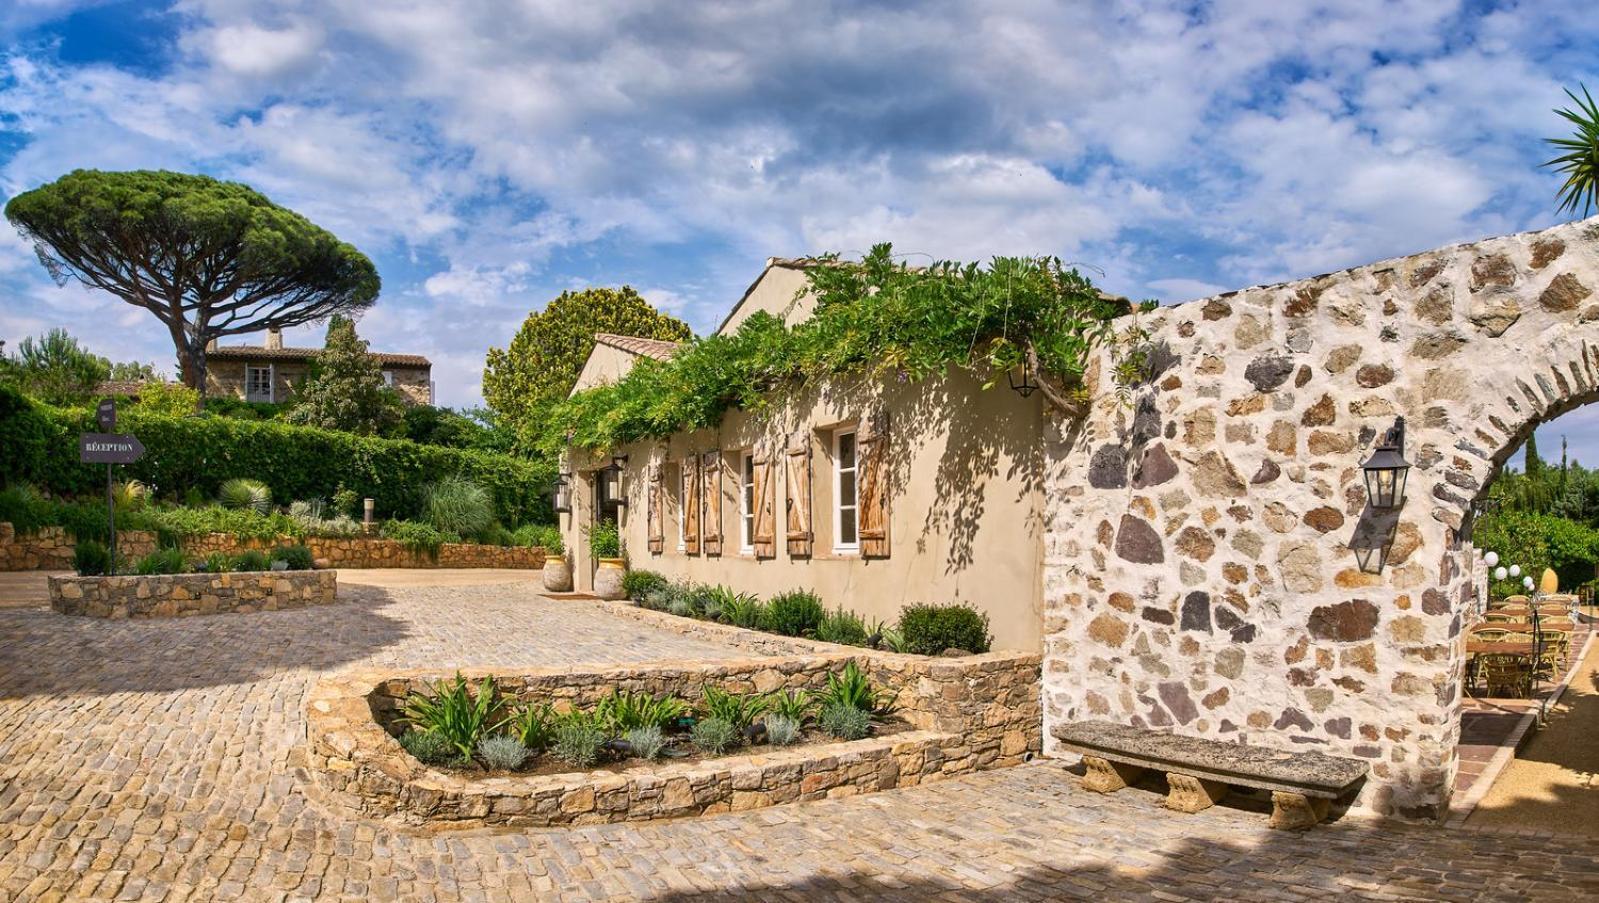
184	453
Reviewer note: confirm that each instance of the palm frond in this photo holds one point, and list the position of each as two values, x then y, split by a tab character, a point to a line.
1580	162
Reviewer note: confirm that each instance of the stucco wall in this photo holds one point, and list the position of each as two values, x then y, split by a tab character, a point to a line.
605	365
776	292
1200	556
965	504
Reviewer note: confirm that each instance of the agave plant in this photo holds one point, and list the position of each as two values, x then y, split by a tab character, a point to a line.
457	713
1580	162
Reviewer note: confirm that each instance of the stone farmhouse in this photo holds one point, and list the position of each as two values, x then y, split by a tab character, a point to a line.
1200	555
269	372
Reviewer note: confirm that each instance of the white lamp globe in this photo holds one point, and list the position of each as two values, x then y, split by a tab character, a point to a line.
1527	582
1500	573
1491	559
1515	570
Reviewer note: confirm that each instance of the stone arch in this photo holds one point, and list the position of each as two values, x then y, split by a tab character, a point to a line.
1202	567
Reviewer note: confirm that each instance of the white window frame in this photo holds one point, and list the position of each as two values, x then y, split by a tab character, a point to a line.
839	545
746	502
272	381
388	378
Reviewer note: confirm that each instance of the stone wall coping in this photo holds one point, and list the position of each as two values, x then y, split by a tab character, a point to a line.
184	595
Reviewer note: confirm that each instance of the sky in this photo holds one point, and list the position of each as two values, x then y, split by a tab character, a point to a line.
489	154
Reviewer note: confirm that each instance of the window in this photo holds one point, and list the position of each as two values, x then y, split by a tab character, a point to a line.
674	487
388	378
747	504
846	510
258	384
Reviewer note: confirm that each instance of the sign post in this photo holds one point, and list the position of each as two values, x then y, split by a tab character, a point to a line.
109	448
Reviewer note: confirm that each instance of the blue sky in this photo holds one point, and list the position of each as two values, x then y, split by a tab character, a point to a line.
489	154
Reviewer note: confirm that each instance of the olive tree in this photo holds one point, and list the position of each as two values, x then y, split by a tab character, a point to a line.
207	258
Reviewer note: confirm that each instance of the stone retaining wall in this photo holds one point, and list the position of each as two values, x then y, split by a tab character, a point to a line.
969	714
51	549
181	595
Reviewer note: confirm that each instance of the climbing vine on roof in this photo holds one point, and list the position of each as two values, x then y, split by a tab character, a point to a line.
874	318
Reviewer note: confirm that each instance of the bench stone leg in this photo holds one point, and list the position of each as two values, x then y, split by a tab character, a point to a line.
1105	776
1190	794
1295	811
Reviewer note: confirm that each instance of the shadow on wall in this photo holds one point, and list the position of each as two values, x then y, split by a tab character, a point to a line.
42	652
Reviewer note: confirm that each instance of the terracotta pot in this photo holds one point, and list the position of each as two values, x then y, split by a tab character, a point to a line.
608	578
557	574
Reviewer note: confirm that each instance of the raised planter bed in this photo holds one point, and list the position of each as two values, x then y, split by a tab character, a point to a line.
182	595
963	714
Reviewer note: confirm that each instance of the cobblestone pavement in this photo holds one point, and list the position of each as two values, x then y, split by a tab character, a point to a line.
159	761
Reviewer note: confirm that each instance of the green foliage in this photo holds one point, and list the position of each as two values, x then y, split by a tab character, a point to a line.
347	502
644	741
930	629
475	429
346	389
876	318
1580	162
456	712
130	495
746	611
25	509
795	704
297	557
162	561
639	584
624	710
738	709
781	730
429	748
218	563
522	382
543	536
457	505
203	254
56	369
845	722
91	558
166	399
842	626
605	540
242	492
578	739
714	736
794	613
186	522
852	688
251	560
240	409
501	753
36	444
533	725
1535	542
417	537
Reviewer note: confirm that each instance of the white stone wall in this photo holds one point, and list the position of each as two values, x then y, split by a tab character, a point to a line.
1200	570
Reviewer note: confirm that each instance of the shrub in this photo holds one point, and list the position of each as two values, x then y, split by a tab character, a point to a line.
417	537
171	399
638	584
162	561
218	563
457	505
241	492
578	739
645	741
130	495
543	536
683	608
930	629
501	753
90	558
781	730
457	713
312	517
851	688
794	705
243	523
624	710
714	736
794	613
25	509
844	627
297	557
428	747
716	601
845	722
251	560
494	534
745	611
347	502
533	725
605	541
735	708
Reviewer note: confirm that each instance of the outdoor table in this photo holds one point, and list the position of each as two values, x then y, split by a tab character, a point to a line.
1483	647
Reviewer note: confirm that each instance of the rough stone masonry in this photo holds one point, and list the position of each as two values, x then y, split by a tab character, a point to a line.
1206	532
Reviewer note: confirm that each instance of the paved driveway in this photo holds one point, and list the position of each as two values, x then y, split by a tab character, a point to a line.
160	760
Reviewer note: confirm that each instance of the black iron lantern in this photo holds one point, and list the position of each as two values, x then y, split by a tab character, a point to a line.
562	496
1386	469
612	476
1027	386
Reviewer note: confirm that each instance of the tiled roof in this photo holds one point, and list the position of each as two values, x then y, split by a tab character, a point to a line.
262	353
654	348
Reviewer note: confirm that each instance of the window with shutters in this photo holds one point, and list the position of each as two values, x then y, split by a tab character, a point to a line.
746	503
674	488
846	499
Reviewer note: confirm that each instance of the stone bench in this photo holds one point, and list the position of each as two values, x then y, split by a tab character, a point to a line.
1200	771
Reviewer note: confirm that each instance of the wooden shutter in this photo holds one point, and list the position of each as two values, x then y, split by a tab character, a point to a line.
765	539
798	493
691	504
872	463
657	515
711	502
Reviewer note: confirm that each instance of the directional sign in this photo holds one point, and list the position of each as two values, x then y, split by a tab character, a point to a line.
106	414
109	448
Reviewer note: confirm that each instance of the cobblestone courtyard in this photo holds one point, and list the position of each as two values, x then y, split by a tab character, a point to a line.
159	760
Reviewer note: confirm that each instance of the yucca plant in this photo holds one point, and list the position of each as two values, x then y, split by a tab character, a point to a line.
242	492
852	688
457	713
1580	162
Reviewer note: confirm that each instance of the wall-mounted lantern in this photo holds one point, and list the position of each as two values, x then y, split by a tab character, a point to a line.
562	495
613	480
1387	468
1027	386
